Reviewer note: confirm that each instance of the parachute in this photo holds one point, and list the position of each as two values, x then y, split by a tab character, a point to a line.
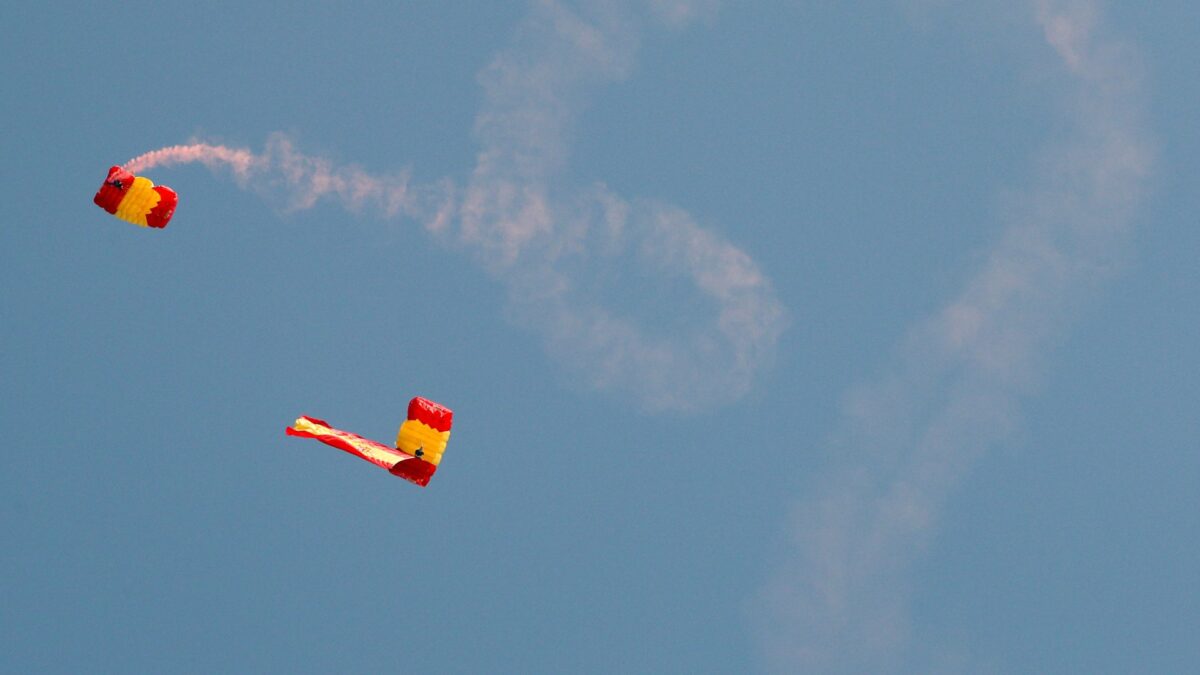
419	444
136	199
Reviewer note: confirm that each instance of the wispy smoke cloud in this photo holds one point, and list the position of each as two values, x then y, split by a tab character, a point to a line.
303	179
906	441
540	237
212	156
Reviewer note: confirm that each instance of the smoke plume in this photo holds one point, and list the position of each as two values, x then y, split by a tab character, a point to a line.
906	441
554	245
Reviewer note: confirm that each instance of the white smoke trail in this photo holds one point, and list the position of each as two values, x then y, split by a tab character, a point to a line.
303	178
906	441
538	237
212	156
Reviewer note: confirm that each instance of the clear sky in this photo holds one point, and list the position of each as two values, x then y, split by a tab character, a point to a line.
801	337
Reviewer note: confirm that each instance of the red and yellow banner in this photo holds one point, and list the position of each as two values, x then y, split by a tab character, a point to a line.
375	453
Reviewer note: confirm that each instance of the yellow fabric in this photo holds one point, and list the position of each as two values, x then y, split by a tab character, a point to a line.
307	427
139	201
416	435
372	452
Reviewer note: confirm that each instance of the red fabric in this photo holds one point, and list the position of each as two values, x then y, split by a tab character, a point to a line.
336	439
414	470
109	197
434	414
161	214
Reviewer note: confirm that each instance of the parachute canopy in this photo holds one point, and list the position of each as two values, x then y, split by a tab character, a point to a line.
419	444
136	199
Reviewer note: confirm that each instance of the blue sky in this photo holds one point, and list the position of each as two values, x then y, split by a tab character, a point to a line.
794	338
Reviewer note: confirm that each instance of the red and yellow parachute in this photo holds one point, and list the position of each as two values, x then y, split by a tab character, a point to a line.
136	199
419	444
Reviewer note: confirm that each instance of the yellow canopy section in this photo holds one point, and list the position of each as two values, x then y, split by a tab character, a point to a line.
421	440
138	202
